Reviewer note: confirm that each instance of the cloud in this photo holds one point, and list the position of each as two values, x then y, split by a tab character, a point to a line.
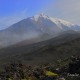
9	20
66	9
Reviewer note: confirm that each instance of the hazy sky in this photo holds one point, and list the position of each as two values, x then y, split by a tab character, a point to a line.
12	11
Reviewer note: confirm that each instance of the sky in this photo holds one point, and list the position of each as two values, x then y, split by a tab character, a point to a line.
12	11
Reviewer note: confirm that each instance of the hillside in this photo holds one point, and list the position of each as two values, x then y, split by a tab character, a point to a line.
42	52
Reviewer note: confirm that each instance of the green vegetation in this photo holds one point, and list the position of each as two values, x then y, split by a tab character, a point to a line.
68	69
